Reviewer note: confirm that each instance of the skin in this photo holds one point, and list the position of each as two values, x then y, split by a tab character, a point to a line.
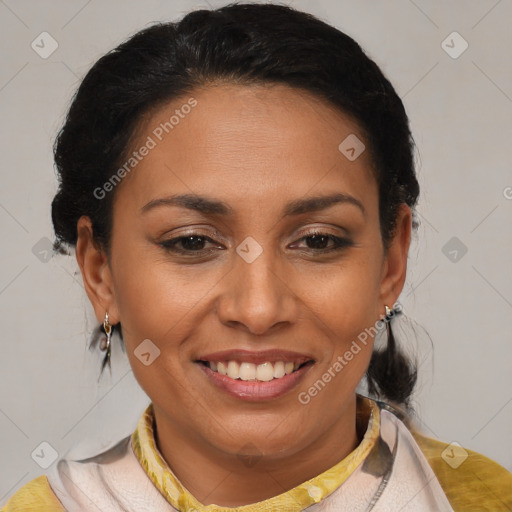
256	148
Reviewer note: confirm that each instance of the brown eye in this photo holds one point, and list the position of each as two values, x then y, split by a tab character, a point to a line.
317	241
322	243
190	244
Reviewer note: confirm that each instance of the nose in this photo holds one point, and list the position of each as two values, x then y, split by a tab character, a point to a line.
257	297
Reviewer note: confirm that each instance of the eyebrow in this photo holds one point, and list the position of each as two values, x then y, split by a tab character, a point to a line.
211	206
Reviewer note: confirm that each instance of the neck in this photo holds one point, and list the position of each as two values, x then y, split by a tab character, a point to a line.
213	476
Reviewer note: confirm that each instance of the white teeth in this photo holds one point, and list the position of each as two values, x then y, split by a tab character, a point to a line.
279	370
233	370
247	371
288	368
264	372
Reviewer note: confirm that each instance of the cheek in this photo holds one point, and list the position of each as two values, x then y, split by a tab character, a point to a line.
346	300
158	300
347	316
155	305
150	301
347	293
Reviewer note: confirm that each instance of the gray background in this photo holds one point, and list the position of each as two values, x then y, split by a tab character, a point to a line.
460	111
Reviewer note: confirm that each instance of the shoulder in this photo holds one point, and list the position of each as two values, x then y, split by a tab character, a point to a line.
35	496
470	480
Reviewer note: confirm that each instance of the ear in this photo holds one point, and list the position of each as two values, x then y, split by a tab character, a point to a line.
96	272
394	268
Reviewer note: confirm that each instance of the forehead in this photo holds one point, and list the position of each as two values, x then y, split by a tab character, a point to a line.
240	142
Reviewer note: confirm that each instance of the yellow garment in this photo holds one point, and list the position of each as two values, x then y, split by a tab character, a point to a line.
36	496
478	484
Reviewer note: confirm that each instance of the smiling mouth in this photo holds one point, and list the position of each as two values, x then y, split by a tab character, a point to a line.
245	371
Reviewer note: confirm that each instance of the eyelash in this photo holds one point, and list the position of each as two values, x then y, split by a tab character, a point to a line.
339	244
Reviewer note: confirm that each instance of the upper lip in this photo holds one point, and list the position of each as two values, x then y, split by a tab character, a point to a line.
256	357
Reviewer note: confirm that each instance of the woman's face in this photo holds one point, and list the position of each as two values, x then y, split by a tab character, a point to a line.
244	227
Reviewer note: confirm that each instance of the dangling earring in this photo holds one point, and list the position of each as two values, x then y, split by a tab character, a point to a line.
106	342
390	314
102	338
